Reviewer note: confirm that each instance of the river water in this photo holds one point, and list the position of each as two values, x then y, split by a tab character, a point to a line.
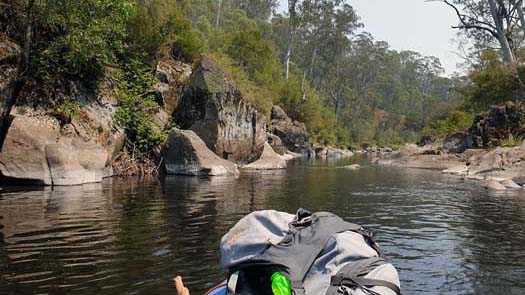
444	235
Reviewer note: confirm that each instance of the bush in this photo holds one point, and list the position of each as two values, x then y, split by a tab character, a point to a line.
458	120
138	107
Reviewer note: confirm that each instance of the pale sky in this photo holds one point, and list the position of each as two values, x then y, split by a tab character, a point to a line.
415	25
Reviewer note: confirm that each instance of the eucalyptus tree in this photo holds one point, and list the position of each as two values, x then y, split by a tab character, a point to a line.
491	21
259	9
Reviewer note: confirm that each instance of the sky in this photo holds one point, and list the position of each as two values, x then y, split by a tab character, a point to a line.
415	25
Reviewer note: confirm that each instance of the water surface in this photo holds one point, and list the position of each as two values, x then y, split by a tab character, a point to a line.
445	236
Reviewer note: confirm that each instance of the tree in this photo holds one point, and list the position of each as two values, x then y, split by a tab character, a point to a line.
487	20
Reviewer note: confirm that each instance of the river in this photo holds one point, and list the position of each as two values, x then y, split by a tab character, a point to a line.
444	235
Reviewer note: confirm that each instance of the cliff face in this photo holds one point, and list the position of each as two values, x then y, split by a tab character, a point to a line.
41	149
214	108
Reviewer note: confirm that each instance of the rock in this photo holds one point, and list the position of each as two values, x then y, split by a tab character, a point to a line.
36	151
40	149
278	114
425	140
489	162
353	167
171	77
457	170
495	186
185	153
520	180
9	53
292	133
455	142
214	108
500	123
291	155
269	160
336	153
276	143
508	183
23	155
72	162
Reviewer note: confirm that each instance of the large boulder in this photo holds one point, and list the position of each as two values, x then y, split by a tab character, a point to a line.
46	148
276	143
23	155
185	153
9	53
456	142
500	123
292	133
38	150
214	108
269	160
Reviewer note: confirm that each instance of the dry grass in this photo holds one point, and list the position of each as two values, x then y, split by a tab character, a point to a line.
131	165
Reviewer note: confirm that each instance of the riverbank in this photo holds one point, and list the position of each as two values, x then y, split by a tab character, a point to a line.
497	169
201	123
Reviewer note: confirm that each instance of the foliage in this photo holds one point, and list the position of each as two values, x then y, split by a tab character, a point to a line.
78	39
457	120
511	141
492	82
138	106
66	111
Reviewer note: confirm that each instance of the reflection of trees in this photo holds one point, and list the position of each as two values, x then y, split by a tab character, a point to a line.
494	242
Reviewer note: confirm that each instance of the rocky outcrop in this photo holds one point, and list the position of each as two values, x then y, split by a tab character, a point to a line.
41	149
456	142
500	123
269	160
38	150
324	152
9	53
185	153
292	133
214	108
171	76
276	143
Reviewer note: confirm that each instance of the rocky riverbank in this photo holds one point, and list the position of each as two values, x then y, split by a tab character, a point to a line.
211	129
475	154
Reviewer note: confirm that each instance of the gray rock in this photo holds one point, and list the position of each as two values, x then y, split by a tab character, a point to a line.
278	114
269	160
508	183
276	143
72	162
353	167
185	153
215	109
293	135
23	155
171	77
500	123
455	142
494	186
36	150
457	170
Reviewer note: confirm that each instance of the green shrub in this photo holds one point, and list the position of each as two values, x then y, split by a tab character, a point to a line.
457	120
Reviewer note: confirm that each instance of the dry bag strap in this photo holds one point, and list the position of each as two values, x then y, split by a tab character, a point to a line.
352	276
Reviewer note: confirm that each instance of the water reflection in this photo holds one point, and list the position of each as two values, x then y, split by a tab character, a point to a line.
127	237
